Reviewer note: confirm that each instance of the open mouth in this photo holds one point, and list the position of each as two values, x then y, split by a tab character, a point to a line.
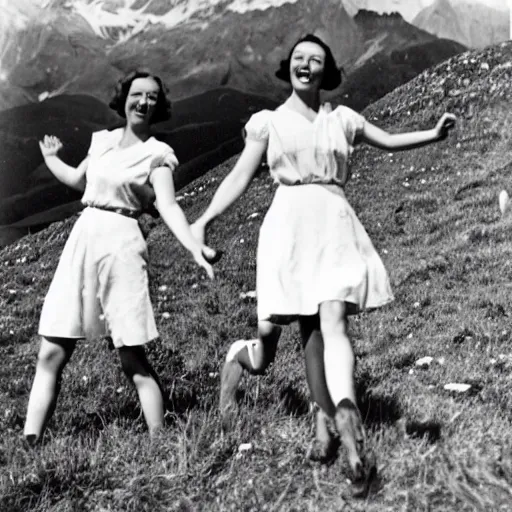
141	110
303	75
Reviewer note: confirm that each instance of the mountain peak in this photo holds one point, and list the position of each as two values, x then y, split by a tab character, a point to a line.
473	24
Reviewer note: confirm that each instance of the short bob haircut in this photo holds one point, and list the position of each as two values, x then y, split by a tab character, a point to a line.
163	105
332	73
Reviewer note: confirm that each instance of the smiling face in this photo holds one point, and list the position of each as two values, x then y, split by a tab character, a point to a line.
141	101
307	66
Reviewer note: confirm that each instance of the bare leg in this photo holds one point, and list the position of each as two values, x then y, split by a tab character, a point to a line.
252	355
53	355
324	445
338	354
339	370
315	369
138	369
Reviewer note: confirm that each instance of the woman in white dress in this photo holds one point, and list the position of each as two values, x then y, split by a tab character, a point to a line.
315	261
100	287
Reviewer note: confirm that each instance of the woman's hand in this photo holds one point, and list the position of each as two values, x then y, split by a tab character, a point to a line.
444	125
50	146
201	260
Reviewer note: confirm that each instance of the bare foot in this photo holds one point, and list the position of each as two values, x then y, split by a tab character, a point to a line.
350	428
324	446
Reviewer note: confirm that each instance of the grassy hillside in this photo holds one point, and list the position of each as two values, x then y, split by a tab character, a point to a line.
432	213
392	70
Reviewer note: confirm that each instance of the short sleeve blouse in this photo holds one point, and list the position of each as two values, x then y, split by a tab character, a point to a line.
304	151
119	177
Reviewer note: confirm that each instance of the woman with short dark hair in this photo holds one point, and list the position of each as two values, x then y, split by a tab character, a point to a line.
315	262
100	287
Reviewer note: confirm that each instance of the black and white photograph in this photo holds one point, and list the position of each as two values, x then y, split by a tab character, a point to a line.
255	255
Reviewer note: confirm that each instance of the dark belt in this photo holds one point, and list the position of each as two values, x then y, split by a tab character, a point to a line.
133	214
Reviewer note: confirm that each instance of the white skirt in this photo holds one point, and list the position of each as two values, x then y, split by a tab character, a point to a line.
312	248
100	287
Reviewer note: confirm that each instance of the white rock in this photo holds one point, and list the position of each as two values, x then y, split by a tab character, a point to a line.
166	315
424	362
504	201
162	288
459	388
254	215
248	295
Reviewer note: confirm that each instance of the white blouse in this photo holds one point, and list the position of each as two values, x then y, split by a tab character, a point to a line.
301	151
119	177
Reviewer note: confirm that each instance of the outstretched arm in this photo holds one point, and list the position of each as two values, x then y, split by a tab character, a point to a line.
384	140
233	185
73	177
173	216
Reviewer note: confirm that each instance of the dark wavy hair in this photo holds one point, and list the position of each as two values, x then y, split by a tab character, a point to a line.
163	104
332	73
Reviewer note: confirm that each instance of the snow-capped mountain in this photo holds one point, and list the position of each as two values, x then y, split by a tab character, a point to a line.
196	44
75	46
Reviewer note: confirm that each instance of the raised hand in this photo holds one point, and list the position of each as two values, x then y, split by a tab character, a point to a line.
444	125
50	145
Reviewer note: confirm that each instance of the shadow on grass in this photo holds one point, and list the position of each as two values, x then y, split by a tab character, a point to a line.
376	409
293	403
429	430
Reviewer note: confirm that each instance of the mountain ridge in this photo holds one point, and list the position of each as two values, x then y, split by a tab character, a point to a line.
474	25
